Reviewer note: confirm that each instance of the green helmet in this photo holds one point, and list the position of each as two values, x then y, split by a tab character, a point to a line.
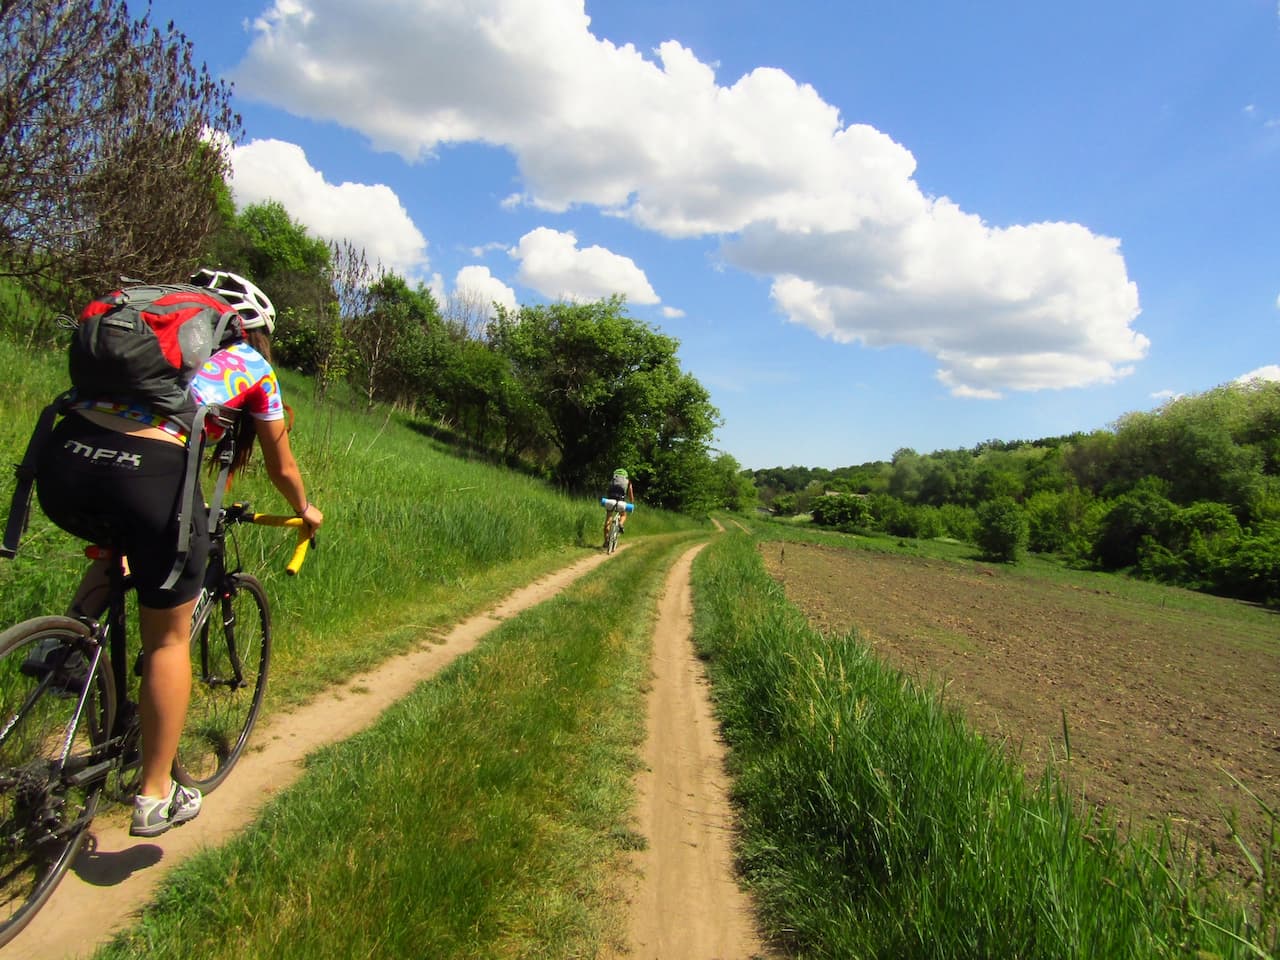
620	473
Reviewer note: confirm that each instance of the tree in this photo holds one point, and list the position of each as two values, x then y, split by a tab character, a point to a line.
611	390
1143	513
904	482
733	487
845	510
395	336
1002	529
106	163
309	281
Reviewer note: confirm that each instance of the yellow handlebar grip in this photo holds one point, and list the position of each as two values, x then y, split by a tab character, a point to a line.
299	553
272	520
304	539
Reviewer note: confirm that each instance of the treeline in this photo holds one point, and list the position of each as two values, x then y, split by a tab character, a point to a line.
107	170
1188	494
565	390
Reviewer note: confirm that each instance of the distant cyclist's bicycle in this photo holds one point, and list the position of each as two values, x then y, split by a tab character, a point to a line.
611	536
70	725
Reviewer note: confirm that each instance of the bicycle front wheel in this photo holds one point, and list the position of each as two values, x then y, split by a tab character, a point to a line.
230	654
54	714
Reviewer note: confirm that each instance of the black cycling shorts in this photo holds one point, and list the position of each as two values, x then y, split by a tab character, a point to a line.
122	490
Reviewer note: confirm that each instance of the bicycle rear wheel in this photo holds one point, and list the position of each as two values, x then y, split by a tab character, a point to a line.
230	654
611	543
52	726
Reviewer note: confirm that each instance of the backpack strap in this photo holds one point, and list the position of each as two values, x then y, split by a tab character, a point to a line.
220	330
190	481
20	506
225	453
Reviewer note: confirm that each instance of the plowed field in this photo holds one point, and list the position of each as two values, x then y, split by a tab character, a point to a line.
1158	701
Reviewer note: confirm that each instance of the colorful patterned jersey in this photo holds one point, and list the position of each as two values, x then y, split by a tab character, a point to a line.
240	378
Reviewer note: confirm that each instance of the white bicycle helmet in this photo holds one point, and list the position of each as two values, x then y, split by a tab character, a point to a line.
246	299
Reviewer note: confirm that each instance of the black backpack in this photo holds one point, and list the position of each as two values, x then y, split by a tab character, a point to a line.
139	345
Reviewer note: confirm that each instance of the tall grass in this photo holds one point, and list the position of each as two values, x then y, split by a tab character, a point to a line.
414	537
483	816
876	824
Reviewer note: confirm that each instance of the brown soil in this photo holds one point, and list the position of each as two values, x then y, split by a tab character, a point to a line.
685	900
1158	704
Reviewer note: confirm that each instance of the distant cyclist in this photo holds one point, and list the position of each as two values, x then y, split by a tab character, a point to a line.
113	473
616	498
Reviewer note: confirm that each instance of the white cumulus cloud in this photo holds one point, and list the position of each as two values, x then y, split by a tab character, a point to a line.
829	210
552	264
1269	372
370	216
476	284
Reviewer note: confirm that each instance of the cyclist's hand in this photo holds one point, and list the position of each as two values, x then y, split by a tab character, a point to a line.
312	517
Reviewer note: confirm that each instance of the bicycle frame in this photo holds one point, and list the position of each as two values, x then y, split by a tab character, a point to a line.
111	634
75	728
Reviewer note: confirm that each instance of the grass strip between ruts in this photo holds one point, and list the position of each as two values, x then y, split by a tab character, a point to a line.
480	817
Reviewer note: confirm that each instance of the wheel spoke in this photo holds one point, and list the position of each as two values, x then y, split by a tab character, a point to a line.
52	728
229	657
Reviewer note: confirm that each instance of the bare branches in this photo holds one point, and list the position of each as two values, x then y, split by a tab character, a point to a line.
107	164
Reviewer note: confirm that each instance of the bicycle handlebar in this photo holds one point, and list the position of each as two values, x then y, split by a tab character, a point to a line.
305	540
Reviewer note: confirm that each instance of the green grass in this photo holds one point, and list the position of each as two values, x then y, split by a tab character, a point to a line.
414	538
876	824
483	816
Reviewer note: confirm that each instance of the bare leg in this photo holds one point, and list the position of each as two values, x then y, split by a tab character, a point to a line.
166	691
91	596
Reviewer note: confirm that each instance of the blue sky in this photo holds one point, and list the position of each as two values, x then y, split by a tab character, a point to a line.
869	225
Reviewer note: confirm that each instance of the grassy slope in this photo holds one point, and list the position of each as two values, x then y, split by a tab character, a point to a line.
414	538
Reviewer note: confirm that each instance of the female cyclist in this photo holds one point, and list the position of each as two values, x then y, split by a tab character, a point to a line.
113	473
617	497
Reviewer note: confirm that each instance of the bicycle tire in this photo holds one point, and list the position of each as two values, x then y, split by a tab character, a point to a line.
44	817
611	542
236	630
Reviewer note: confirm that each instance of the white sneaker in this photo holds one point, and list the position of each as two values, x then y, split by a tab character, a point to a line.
153	816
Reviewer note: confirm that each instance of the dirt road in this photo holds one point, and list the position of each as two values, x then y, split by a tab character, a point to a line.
685	902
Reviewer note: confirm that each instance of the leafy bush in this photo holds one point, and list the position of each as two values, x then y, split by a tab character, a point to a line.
1249	569
1058	519
928	522
1002	529
959	522
785	505
1144	512
844	510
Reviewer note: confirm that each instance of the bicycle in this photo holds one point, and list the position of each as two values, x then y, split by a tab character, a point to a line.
70	727
611	537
